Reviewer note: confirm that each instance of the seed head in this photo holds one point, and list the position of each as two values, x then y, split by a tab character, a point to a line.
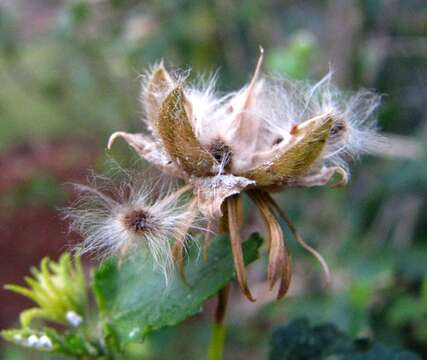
118	222
272	134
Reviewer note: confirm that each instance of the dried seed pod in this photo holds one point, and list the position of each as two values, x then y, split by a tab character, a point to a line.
270	135
178	138
294	162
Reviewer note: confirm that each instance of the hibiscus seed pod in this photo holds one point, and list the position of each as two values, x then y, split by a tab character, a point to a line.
294	162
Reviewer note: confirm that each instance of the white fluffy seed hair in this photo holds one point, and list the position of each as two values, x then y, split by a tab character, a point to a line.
283	103
99	216
277	105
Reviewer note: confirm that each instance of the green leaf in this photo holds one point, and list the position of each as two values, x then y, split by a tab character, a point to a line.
135	299
299	340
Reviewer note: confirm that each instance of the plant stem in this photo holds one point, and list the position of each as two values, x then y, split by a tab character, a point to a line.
216	345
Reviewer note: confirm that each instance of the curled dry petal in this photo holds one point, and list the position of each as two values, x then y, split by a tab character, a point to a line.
150	151
159	85
296	161
212	191
236	246
178	137
279	262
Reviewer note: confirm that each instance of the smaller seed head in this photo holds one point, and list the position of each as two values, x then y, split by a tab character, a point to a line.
129	214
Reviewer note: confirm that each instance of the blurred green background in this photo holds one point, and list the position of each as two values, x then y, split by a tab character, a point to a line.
69	77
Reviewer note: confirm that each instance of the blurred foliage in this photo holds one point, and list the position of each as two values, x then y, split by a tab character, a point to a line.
299	340
71	68
296	59
40	189
129	305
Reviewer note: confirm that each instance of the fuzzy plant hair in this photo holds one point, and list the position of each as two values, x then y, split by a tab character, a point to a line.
115	219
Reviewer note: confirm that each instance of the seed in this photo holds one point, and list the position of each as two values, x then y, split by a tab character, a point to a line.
221	152
137	220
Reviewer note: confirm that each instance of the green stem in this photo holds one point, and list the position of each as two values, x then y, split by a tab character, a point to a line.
216	345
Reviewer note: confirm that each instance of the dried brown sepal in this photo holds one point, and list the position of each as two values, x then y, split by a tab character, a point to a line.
236	246
279	262
294	162
286	279
159	85
178	138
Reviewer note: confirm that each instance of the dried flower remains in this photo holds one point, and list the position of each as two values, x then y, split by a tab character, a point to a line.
271	135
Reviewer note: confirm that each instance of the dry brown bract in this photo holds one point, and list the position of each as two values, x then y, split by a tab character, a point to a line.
271	135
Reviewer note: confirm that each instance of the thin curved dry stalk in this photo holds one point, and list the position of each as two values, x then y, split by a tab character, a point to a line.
300	240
